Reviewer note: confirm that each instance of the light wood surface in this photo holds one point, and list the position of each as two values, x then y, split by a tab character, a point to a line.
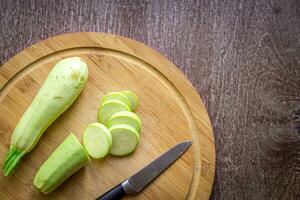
170	108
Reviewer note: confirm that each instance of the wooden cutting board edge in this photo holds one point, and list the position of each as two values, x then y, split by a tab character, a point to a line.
125	48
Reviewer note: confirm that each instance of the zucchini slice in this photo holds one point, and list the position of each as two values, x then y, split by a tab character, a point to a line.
97	140
125	140
134	100
127	118
108	108
116	96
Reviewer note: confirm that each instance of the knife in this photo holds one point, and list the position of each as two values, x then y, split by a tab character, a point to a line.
141	179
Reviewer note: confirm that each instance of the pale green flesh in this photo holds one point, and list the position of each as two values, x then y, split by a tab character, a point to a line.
127	118
108	108
106	131
62	86
134	100
116	96
96	140
125	140
66	159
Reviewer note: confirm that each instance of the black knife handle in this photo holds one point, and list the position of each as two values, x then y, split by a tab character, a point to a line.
113	194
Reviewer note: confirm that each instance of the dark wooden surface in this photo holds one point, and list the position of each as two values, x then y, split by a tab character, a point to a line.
242	56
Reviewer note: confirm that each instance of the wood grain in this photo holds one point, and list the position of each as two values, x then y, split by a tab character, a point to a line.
242	56
170	108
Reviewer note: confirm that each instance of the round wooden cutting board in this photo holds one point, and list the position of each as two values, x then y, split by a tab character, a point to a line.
170	108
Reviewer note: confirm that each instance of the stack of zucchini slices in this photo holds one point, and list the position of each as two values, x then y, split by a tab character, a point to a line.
117	132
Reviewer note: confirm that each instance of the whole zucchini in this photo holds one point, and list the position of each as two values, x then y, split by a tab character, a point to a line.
62	86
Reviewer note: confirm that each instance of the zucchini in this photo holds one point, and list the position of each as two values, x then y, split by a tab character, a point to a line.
125	140
66	159
60	89
116	96
125	117
97	140
134	100
108	108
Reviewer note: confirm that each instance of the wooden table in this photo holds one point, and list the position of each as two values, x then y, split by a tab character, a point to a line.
242	56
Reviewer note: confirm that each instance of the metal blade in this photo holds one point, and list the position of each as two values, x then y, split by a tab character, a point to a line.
137	182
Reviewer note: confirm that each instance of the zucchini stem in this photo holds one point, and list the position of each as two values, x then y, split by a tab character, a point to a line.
12	159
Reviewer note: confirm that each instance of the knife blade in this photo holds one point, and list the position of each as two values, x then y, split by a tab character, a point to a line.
141	179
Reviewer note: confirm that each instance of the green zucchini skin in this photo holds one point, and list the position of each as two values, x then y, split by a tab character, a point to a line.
60	89
66	159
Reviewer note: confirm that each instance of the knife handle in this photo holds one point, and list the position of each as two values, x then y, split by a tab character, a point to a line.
113	194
